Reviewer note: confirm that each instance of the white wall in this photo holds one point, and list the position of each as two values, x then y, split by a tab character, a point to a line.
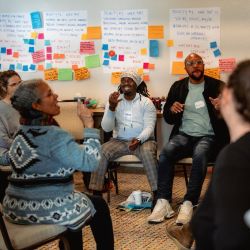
235	37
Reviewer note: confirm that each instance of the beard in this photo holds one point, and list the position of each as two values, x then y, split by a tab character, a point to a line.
196	78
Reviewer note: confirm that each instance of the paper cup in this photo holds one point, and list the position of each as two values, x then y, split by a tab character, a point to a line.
137	197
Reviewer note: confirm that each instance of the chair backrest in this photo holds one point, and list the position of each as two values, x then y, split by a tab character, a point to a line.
5	242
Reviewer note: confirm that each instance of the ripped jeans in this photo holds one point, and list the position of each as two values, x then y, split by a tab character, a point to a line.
181	146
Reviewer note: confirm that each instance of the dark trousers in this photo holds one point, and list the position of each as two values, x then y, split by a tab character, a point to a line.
181	146
3	184
101	227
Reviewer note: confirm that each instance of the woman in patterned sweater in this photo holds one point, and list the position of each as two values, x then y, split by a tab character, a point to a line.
44	158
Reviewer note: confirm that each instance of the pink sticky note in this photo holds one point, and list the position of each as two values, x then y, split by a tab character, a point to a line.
9	51
145	65
49	56
40	36
121	57
49	49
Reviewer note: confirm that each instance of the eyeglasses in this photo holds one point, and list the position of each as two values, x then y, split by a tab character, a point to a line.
193	63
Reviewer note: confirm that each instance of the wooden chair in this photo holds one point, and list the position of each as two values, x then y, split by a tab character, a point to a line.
28	237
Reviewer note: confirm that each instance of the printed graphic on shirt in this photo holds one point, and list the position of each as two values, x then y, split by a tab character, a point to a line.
22	153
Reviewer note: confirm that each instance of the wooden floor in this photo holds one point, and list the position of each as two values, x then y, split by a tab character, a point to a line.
131	230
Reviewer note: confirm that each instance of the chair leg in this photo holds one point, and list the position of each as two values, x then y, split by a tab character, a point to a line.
185	174
114	178
108	191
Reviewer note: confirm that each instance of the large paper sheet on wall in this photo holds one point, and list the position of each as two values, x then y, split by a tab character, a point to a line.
195	30
124	35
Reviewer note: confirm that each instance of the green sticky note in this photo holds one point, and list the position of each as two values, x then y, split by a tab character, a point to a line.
65	74
92	61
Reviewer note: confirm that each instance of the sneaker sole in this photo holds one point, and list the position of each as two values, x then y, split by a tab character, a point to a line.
177	243
168	216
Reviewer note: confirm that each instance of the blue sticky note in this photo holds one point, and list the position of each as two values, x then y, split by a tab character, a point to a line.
105	62
114	58
32	67
153	48
106	55
48	65
36	20
26	41
47	42
19	66
105	47
31	49
31	41
25	68
213	45
217	53
12	67
3	50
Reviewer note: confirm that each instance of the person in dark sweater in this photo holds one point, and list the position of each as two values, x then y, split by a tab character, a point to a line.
198	132
218	223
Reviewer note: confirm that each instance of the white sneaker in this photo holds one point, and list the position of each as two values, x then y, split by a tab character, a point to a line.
185	213
161	210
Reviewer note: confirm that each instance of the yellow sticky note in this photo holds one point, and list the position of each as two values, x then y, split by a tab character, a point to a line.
146	78
151	66
51	74
84	36
144	51
140	71
94	32
213	72
179	54
33	35
81	73
170	43
178	68
155	32
116	77
15	54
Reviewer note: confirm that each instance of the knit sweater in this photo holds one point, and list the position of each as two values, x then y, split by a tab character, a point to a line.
41	189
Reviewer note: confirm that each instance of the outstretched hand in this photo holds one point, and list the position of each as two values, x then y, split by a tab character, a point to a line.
216	102
85	115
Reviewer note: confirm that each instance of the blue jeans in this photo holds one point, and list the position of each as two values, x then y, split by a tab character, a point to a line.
181	146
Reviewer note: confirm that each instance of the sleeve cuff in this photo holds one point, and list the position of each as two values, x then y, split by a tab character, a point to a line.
91	133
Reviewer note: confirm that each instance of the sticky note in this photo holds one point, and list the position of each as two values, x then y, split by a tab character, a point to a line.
12	67
106	55
105	62
105	46
116	77
15	54
25	68
74	66
121	58
213	45
46	42
153	48
179	54
49	49
217	53
213	72
31	49
36	20
170	43
38	56
94	32
3	50
40	36
26	41
33	35
227	64
87	47
114	58
61	56
9	51
178	68
140	71
48	56
32	41
48	65
32	67
151	66
144	51
19	66
145	65
50	74
84	36
81	73
155	32
92	61
146	78
65	74
40	67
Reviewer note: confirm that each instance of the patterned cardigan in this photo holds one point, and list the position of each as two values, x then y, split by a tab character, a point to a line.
41	189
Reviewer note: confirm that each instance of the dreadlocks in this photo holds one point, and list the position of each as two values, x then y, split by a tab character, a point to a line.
141	89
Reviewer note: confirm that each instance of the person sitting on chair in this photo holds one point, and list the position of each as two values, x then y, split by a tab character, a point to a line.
43	159
192	106
131	115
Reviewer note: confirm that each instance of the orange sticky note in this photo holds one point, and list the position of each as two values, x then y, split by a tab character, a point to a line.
33	35
179	54
74	66
61	56
116	77
94	32
51	74
84	36
15	54
146	78
40	67
170	43
140	71
178	68
81	73
213	72
151	66
144	51
155	32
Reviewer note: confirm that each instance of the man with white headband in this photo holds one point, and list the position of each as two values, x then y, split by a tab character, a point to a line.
131	115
